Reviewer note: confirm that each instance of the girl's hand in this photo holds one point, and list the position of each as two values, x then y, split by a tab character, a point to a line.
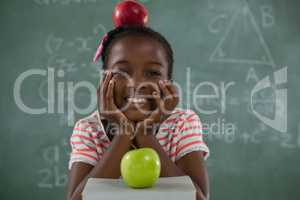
165	105
108	109
170	98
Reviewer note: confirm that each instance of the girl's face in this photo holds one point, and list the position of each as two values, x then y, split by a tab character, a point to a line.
137	63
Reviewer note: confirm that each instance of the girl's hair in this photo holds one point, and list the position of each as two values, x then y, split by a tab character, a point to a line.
123	31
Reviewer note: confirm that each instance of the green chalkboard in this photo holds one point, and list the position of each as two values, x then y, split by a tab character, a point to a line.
237	63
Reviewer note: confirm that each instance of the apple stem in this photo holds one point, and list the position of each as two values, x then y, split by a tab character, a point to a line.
133	146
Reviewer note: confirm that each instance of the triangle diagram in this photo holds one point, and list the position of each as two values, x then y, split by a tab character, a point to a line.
243	42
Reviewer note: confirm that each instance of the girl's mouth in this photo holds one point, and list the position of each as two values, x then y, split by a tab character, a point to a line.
136	100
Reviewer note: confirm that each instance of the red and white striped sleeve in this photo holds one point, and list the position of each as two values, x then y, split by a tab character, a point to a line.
190	136
83	144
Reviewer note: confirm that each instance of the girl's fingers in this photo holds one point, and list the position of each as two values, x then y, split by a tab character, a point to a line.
104	74
171	97
106	81
166	92
155	115
172	88
174	93
110	103
101	82
103	89
157	99
170	101
109	94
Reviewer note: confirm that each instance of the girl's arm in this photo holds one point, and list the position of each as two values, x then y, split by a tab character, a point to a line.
191	164
107	167
168	167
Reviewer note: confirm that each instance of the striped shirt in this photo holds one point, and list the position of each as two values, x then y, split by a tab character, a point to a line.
180	134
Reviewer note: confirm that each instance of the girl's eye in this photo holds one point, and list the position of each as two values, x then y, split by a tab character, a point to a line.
117	73
120	72
153	73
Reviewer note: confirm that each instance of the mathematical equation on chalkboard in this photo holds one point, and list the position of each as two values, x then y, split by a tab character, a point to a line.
53	175
259	135
82	48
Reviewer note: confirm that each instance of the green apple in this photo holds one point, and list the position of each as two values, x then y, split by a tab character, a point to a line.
140	168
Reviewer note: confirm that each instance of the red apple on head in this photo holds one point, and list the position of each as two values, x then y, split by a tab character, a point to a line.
130	12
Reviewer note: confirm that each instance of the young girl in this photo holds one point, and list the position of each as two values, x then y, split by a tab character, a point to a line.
136	107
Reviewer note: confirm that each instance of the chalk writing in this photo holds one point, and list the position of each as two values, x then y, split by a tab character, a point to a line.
53	175
227	55
267	17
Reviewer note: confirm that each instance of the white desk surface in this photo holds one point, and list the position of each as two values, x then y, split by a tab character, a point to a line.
173	188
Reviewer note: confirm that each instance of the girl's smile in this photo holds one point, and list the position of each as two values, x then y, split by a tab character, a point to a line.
137	63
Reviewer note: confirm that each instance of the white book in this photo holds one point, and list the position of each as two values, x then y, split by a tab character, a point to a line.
171	188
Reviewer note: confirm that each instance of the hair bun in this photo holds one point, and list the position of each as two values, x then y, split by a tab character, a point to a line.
130	13
126	13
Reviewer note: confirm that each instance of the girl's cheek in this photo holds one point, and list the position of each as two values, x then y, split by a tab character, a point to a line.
155	86
120	81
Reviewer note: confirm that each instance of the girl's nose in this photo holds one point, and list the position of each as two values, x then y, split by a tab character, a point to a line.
138	80
139	84
134	83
